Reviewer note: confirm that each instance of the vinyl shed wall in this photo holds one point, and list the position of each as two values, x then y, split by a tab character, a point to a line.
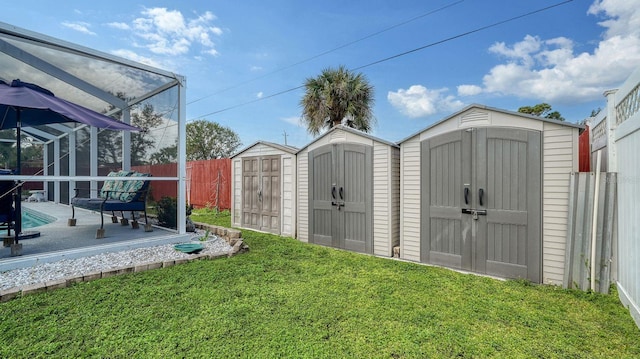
559	160
287	187
386	188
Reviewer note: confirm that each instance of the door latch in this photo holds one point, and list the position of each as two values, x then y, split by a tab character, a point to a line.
475	212
335	202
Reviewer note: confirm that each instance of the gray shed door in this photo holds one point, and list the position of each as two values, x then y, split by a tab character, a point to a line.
261	193
481	201
250	188
340	193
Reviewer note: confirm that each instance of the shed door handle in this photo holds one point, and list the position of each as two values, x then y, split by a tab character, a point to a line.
466	195
333	192
481	195
342	193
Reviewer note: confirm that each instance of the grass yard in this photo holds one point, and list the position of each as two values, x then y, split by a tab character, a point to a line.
288	299
211	216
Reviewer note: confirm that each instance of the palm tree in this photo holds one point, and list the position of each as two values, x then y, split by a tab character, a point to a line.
337	96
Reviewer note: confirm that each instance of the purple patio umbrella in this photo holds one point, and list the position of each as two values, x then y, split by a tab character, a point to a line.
24	104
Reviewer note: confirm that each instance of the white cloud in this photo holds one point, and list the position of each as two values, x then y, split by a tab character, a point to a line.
419	101
469	90
550	70
623	16
216	31
79	26
128	54
168	32
212	52
255	68
520	51
119	25
260	94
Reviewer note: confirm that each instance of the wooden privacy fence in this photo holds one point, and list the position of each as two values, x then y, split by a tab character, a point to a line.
578	260
207	182
584	150
161	189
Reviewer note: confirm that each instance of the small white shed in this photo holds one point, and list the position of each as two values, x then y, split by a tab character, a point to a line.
486	190
349	192
263	188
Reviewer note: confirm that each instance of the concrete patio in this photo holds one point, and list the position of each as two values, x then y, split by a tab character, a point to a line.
58	241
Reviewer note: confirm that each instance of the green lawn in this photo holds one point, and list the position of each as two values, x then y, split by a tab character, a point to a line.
288	299
211	216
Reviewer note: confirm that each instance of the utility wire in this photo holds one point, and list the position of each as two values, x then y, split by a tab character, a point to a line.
329	51
439	42
495	24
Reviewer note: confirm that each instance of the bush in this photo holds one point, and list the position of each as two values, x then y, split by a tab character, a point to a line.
168	213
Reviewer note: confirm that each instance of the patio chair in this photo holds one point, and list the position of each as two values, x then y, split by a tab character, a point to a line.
116	196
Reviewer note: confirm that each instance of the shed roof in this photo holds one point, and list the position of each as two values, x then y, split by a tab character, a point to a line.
285	148
353	131
488	108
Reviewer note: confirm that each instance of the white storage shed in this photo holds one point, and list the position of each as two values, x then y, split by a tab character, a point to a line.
349	192
263	189
486	190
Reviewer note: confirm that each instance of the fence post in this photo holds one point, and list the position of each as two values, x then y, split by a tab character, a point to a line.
612	148
594	223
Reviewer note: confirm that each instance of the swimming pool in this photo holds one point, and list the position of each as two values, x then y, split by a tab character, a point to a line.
32	219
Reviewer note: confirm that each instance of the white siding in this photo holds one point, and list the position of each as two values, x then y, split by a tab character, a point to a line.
381	201
559	159
236	190
410	199
288	215
394	180
303	196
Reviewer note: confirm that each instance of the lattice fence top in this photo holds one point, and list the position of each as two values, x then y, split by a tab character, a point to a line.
600	130
628	106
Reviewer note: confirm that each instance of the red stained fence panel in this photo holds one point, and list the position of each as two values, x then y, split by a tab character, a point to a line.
161	189
208	185
584	151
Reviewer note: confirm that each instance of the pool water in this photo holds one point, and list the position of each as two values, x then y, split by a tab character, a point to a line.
32	219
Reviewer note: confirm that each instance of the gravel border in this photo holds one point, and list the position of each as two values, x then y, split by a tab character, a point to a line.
60	274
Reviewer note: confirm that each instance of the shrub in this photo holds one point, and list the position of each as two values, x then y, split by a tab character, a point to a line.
168	213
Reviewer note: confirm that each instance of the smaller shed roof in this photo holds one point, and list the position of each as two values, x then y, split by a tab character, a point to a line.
488	108
285	148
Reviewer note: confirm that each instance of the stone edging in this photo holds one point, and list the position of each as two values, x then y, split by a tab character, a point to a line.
232	236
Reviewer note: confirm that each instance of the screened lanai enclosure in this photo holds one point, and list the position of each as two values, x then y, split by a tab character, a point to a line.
57	158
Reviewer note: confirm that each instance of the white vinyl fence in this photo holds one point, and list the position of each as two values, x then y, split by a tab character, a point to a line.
618	129
592	224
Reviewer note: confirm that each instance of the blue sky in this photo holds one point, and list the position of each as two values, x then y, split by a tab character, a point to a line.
237	54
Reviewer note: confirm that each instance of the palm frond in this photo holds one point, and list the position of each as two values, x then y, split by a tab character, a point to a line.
337	96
